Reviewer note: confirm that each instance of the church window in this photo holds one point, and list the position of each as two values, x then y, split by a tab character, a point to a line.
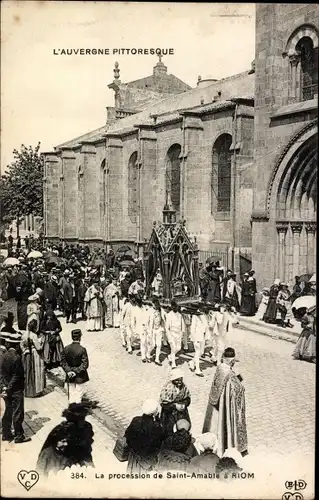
221	174
173	175
302	52
133	188
308	68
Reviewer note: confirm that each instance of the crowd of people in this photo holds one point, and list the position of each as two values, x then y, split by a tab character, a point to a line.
100	289
160	438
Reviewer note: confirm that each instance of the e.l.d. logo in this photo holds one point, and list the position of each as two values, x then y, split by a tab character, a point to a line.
28	478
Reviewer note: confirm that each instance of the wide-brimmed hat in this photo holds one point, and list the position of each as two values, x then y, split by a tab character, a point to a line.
33	297
176	373
12	338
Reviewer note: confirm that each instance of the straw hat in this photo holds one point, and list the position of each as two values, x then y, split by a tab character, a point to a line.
176	373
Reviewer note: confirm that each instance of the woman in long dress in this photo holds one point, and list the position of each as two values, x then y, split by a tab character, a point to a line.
34	309
111	299
94	307
31	347
270	315
306	344
53	346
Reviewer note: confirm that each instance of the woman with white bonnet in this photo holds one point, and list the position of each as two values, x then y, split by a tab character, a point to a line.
144	437
34	309
175	399
207	459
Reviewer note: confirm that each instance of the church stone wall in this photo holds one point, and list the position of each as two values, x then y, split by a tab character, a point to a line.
274	25
69	180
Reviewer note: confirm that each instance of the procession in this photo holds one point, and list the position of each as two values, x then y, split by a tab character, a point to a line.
158	250
99	291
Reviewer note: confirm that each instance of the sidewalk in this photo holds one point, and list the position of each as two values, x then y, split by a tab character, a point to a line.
41	415
254	324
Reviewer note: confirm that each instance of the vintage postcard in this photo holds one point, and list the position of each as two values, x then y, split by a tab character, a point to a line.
158	207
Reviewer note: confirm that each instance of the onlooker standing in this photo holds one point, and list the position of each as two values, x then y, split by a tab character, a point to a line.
31	346
12	382
75	363
270	315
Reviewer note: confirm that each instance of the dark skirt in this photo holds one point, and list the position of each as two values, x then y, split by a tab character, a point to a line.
270	315
22	315
306	346
52	350
248	305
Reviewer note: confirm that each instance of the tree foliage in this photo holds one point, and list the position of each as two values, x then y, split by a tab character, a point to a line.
21	187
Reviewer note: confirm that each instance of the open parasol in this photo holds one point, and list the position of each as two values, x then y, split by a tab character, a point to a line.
11	261
306	301
53	259
35	254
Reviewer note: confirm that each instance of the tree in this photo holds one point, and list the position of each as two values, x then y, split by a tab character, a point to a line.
21	187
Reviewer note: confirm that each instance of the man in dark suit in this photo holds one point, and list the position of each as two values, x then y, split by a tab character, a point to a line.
75	363
12	385
69	295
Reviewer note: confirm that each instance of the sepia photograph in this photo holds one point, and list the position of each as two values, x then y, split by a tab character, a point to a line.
158	234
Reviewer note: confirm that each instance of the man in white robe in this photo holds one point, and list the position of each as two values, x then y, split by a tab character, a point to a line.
175	327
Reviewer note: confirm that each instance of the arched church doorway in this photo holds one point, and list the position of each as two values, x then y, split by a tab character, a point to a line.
296	208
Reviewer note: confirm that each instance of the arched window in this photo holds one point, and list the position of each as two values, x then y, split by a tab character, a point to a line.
308	68
302	52
221	174
173	175
133	188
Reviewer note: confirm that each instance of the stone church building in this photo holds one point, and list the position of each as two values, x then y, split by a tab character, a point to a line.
285	141
235	158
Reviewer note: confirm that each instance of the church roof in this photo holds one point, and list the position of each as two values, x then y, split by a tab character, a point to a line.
241	85
163	83
236	86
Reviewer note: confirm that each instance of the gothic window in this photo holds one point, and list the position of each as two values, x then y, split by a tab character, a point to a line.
308	68
173	175
133	188
221	174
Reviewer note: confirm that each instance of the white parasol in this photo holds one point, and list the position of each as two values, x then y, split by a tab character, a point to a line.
35	254
313	278
11	261
306	301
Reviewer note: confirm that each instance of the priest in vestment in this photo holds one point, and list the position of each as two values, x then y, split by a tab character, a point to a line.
225	412
111	299
94	307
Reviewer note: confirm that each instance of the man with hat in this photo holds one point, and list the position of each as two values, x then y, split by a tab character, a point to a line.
225	414
75	363
12	385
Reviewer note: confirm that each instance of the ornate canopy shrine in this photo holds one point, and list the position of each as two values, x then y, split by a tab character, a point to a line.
171	251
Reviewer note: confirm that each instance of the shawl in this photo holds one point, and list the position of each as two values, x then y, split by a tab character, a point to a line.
171	394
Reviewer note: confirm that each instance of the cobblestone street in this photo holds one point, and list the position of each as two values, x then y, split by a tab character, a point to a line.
280	392
41	416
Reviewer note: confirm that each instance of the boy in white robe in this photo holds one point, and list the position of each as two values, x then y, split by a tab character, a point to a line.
175	327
